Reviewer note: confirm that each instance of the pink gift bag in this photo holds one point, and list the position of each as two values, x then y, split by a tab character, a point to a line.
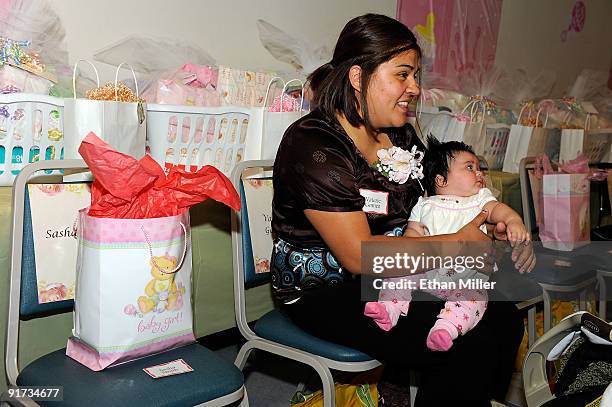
565	219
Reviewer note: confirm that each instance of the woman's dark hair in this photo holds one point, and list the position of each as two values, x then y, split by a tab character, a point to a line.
437	160
366	41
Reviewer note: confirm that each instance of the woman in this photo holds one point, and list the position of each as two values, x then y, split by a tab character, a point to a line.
329	199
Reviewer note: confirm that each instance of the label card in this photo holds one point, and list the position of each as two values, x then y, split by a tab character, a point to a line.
375	201
168	369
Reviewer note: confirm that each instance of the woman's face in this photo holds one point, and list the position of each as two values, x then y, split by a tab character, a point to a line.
393	86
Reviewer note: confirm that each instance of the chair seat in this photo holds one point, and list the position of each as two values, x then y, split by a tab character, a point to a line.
129	385
514	286
565	268
277	327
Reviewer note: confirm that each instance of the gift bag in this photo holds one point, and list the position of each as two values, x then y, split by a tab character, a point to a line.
237	87
277	117
474	134
528	141
192	85
564	222
572	140
133	285
121	124
138	271
495	145
445	126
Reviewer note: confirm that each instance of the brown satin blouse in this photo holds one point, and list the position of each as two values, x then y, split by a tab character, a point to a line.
319	167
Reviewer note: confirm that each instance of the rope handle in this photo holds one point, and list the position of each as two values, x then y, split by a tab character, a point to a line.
154	263
74	70
538	118
518	120
117	77
475	106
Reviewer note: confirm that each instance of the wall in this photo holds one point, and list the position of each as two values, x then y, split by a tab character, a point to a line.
225	29
530	38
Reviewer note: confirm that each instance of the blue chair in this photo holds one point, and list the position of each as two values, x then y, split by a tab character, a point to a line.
557	271
274	332
213	382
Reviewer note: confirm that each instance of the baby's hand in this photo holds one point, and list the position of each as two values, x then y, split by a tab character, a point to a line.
517	233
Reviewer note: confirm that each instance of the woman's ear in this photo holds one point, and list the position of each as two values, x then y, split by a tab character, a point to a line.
355	77
440	181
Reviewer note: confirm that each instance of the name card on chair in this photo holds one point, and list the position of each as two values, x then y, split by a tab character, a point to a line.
258	193
54	209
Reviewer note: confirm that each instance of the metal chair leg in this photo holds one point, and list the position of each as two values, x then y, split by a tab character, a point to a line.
531	325
547	310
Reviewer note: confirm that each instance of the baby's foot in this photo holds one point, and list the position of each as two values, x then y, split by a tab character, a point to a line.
439	340
378	312
442	335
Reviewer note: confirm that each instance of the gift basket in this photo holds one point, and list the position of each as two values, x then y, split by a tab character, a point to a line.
31	129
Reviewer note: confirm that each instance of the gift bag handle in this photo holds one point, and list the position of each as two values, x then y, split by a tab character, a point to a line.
475	105
74	70
276	78
518	120
538	117
117	77
154	263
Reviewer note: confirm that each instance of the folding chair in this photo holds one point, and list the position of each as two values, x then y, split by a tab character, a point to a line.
556	271
274	332
213	382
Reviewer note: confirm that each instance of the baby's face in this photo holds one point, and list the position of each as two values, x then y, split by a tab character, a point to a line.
464	176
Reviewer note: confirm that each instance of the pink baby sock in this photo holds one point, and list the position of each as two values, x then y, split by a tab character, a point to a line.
378	312
441	336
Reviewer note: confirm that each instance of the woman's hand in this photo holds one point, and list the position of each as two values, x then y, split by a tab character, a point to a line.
477	244
472	232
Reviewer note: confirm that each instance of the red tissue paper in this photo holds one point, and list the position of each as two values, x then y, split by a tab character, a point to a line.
127	188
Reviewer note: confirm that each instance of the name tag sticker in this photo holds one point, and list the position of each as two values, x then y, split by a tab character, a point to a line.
375	201
168	369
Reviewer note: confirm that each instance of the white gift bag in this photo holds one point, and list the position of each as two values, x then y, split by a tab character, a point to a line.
120	124
527	141
275	124
133	289
572	141
445	126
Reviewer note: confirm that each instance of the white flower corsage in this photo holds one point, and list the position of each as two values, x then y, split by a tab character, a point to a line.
399	165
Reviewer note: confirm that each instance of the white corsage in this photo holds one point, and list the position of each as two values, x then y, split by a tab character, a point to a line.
399	165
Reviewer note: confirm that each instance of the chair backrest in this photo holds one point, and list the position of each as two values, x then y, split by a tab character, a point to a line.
248	273
527	199
23	288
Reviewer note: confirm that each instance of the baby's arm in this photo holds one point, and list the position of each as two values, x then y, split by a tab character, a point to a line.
499	212
415	229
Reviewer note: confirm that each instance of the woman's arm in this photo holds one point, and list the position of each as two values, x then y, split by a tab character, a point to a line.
343	232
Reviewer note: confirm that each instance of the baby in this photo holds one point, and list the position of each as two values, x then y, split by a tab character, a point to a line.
456	194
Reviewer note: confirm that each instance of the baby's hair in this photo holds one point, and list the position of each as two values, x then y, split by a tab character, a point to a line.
437	160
